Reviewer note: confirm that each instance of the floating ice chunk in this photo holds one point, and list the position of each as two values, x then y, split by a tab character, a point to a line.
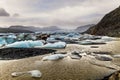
54	57
56	45
25	44
21	44
74	35
103	57
2	41
36	43
12	36
60	52
75	55
83	54
106	38
116	56
50	38
35	73
90	42
16	74
86	42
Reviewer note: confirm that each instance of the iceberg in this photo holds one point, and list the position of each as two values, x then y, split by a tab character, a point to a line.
36	43
85	42
56	45
73	35
10	40
103	57
90	37
106	38
2	41
20	36
91	42
54	57
116	56
33	73
25	44
21	44
12	36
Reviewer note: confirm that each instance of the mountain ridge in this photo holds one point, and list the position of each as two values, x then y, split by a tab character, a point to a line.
8	30
35	29
84	28
108	26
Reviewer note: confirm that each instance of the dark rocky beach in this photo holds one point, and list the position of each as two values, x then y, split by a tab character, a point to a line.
19	53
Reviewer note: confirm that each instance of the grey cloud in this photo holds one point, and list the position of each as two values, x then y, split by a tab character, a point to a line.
16	15
3	12
42	22
43	5
65	13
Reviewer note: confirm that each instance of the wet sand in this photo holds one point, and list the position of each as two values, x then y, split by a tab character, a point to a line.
64	69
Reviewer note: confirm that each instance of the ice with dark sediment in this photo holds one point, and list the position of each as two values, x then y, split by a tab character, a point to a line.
104	57
75	55
54	57
56	45
2	41
32	73
116	56
90	42
25	44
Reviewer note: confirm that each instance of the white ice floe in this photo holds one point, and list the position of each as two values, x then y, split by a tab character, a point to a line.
2	41
54	57
56	45
106	38
33	73
16	74
90	42
25	44
83	54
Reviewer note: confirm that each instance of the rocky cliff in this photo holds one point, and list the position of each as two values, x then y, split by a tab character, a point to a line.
109	25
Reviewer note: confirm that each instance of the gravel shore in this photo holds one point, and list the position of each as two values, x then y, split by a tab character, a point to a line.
64	69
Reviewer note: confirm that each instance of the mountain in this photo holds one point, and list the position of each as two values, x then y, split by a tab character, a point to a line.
35	29
109	25
51	28
20	27
84	28
8	30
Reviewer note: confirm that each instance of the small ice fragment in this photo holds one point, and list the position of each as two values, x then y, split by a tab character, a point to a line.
116	56
16	74
54	57
35	73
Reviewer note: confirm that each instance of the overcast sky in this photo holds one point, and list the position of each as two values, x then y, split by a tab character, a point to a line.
63	13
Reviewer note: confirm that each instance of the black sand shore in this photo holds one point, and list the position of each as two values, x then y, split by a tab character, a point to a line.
19	53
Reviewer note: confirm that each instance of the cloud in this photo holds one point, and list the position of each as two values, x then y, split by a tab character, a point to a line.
16	15
4	13
63	13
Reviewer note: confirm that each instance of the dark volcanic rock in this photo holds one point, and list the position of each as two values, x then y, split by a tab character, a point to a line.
18	53
109	25
8	30
114	76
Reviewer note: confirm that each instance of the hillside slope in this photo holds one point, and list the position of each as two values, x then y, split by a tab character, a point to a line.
35	29
84	28
8	30
109	25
